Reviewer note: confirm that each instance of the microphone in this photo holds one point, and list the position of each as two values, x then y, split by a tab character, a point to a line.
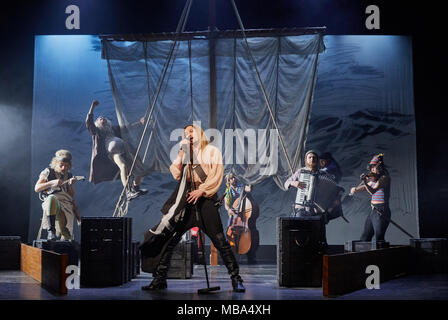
184	147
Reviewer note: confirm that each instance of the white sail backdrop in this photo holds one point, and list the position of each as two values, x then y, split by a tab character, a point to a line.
363	104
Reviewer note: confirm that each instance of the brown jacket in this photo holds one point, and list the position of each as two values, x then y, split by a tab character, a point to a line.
101	167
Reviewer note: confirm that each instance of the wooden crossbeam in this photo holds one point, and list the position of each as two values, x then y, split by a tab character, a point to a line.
221	34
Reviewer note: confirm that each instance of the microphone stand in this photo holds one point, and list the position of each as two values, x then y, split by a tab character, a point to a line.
201	240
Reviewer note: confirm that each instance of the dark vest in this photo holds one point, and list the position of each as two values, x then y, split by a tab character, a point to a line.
44	194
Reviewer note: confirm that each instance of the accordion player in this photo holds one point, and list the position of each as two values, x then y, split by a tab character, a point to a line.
320	192
317	192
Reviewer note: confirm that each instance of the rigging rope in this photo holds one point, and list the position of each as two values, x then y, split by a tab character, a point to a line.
180	28
262	86
160	103
191	80
298	157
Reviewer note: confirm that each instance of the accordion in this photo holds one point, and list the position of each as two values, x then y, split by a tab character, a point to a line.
321	191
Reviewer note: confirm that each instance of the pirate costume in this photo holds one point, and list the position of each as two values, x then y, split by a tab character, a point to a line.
180	216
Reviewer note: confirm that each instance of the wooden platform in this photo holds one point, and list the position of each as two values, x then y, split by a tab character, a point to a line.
344	273
47	267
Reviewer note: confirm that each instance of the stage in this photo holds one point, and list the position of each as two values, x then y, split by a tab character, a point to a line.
260	282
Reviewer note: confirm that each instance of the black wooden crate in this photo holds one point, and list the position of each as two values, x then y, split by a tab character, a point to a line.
299	251
105	243
10	252
360	246
71	248
181	266
135	259
128	248
182	261
430	255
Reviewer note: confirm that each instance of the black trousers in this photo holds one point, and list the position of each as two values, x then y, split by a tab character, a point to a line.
376	223
211	224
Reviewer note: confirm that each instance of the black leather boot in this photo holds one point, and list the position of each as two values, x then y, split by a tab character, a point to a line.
230	262
237	284
51	231
159	281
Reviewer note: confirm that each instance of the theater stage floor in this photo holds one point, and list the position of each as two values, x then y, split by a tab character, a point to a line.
260	281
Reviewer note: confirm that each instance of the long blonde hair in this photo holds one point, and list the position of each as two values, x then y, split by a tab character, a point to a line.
203	137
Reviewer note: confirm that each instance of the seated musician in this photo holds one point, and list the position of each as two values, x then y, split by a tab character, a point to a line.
377	183
194	191
232	194
58	204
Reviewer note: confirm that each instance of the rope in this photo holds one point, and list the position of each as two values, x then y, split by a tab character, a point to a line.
262	86
166	84
191	80
298	157
145	50
234	93
180	28
161	101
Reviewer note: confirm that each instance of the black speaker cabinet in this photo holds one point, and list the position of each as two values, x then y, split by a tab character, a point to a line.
105	251
10	252
300	249
135	259
430	255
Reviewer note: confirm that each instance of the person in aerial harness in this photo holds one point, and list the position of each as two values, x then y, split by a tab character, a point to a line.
109	155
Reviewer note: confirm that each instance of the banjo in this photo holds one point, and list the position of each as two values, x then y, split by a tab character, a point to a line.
54	189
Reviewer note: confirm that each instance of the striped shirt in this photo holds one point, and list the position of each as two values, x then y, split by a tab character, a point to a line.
382	194
378	196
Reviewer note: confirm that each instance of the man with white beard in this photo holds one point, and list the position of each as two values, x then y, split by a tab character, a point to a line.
109	154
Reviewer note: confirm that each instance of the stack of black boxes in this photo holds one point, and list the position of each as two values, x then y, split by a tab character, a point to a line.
108	255
10	252
181	266
300	251
430	255
182	261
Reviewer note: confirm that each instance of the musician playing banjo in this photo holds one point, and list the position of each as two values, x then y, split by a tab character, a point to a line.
55	185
